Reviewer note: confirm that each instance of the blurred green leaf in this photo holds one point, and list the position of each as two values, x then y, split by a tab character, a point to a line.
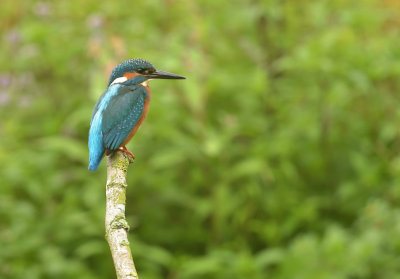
277	157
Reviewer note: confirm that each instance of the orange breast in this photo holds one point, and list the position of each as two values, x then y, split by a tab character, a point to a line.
141	119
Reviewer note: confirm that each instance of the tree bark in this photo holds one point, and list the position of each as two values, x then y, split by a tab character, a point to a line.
116	225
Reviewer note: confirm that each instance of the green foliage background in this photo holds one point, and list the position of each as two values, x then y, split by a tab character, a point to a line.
278	157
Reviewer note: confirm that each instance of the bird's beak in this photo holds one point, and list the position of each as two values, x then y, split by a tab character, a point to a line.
164	75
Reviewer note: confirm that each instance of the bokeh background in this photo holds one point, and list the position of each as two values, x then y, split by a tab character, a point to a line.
278	157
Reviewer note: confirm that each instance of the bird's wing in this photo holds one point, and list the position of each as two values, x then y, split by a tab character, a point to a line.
121	114
96	107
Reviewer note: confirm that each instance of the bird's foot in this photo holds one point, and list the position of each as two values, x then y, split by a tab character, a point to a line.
123	149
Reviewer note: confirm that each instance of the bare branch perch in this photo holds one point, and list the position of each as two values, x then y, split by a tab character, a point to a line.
116	225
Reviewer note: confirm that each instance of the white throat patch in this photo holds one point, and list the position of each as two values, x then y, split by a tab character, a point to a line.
146	82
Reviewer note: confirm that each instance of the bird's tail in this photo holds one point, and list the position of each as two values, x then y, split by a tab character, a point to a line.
96	150
95	160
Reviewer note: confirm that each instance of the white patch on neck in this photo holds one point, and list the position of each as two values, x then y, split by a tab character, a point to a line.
119	80
146	82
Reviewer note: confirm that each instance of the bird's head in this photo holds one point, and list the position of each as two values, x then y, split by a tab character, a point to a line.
137	71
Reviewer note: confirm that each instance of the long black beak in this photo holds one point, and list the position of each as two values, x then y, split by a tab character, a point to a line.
165	75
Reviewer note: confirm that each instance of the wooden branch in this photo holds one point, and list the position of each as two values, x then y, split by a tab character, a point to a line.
116	225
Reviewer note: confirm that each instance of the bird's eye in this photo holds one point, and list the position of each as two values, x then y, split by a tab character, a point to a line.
145	71
150	71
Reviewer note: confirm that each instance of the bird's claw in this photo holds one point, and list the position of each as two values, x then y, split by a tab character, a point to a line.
124	149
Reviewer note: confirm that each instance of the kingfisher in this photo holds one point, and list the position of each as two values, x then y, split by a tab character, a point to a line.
121	109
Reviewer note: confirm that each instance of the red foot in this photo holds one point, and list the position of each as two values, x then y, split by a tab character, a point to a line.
123	149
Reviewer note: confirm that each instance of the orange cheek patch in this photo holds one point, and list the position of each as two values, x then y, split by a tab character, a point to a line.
131	75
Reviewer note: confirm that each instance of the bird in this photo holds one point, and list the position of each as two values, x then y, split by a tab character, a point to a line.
121	109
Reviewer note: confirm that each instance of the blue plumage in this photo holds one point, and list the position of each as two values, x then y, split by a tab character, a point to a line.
114	116
121	115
